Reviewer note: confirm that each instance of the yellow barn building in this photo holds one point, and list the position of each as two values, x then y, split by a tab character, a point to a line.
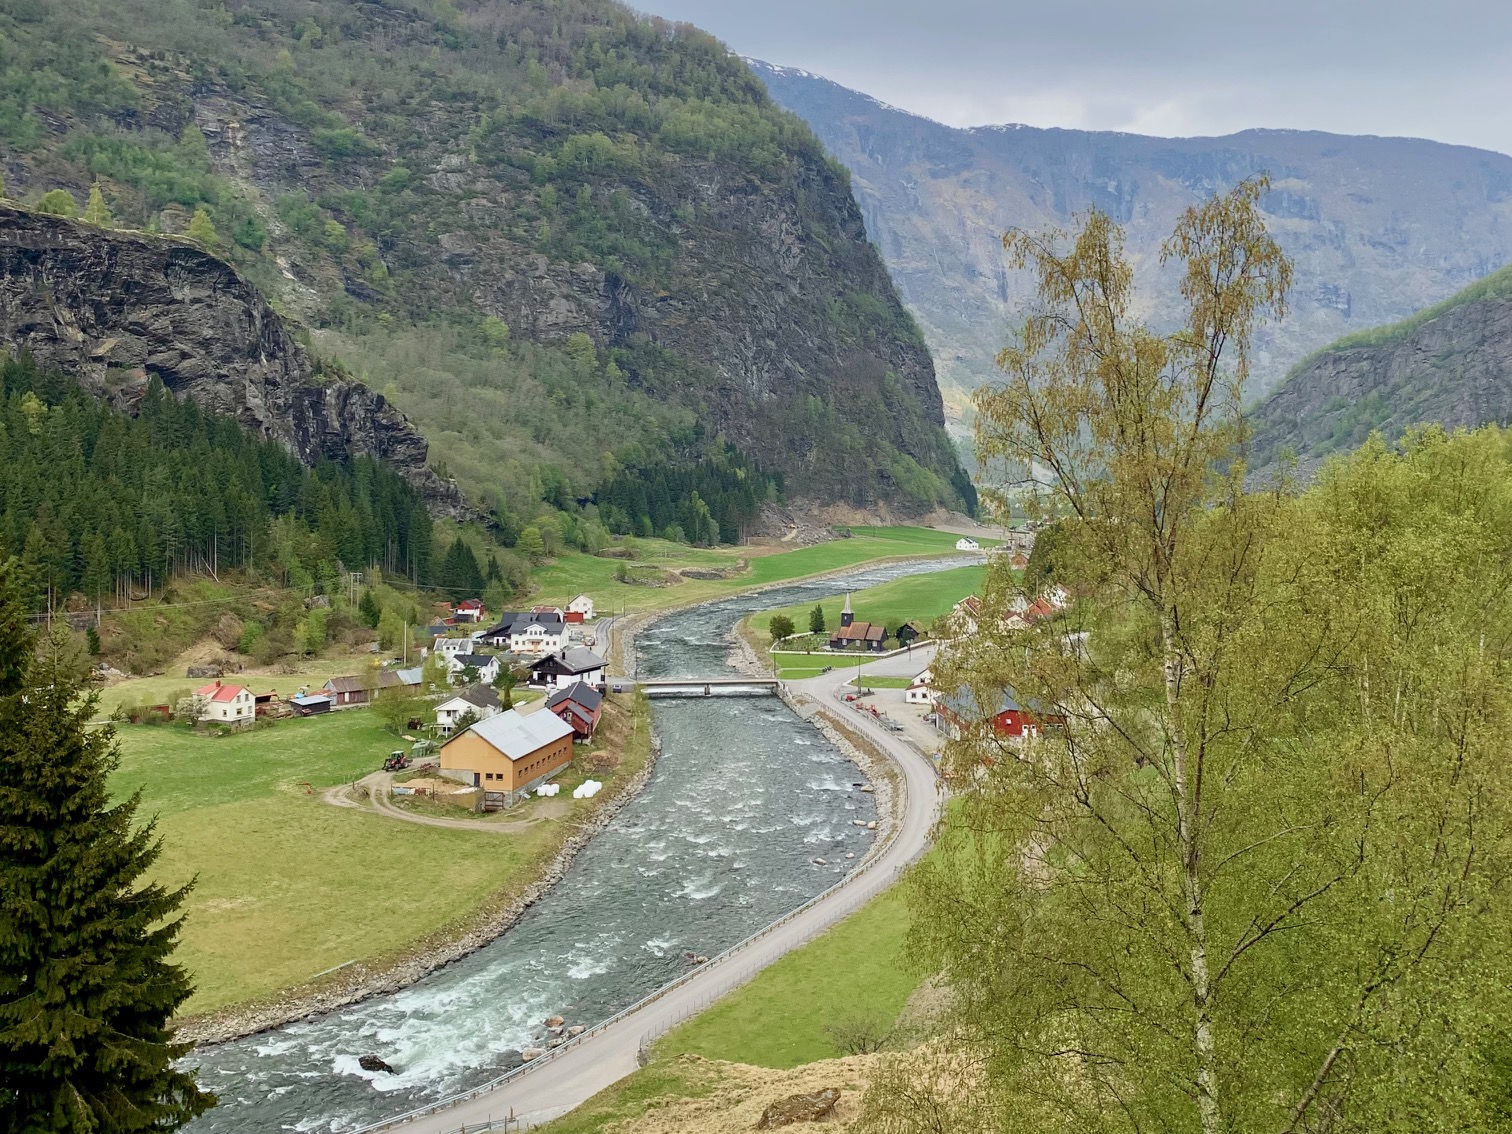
508	752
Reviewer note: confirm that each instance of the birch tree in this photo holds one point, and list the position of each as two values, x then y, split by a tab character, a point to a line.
1239	880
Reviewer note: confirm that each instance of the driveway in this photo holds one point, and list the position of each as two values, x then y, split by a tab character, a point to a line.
556	1085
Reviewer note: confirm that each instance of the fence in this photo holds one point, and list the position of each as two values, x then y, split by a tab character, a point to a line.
862	870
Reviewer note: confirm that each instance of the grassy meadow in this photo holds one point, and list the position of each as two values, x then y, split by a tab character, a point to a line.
286	885
573	573
780	1018
920	598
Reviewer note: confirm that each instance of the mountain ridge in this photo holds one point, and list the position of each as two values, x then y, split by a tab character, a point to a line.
1449	364
1378	227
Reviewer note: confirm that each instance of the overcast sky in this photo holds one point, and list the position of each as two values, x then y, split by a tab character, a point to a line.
1437	69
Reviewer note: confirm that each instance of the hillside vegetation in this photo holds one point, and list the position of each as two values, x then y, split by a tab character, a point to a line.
1449	364
567	240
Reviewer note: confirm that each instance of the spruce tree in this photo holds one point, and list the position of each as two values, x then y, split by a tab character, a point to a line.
369	610
816	619
87	983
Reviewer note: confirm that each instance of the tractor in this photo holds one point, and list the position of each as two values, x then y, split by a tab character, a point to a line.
396	762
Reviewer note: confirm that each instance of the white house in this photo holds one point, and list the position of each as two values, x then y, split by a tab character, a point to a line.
538	634
224	704
479	700
448	647
487	666
566	667
581	605
966	543
920	690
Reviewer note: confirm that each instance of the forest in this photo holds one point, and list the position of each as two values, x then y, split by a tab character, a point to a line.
99	503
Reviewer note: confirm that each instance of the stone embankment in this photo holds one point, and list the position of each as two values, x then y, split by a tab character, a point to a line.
353	983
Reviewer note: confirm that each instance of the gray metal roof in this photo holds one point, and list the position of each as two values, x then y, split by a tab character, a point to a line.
579	691
480	696
577	659
518	735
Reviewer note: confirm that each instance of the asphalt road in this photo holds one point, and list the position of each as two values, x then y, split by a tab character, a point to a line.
558	1085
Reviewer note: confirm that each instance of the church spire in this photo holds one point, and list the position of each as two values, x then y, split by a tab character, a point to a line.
846	615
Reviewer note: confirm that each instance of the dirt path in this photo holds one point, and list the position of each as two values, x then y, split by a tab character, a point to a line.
379	787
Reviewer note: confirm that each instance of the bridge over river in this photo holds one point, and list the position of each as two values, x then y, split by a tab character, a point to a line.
696	686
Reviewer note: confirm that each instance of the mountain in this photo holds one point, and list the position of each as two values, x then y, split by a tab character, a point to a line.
1377	227
115	310
565	239
1451	363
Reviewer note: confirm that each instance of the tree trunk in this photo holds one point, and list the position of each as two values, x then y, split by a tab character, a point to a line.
1187	806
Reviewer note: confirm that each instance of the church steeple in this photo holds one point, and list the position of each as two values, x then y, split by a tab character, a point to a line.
846	615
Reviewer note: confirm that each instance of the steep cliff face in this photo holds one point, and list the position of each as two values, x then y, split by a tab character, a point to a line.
613	188
1450	364
117	309
1377	227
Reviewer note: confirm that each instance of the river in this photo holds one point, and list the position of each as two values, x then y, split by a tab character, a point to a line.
720	843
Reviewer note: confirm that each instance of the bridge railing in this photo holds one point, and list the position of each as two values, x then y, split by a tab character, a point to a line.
862	870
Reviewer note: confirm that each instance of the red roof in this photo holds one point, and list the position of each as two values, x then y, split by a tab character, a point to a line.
470	604
860	632
218	692
1039	608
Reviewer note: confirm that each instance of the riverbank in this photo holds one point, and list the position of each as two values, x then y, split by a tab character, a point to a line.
352	983
622	649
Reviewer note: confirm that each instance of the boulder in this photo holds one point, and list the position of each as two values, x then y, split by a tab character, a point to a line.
800	1108
575	1030
205	671
373	1063
530	1053
554	1021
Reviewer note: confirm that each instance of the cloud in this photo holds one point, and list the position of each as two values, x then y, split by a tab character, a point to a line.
1161	66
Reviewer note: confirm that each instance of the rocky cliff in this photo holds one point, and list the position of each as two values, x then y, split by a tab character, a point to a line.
598	232
1377	227
1450	364
116	309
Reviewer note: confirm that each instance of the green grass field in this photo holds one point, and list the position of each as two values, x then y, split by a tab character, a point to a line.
870	681
574	573
796	667
313	673
855	971
921	598
288	886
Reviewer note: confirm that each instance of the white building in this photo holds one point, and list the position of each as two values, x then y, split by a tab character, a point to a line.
581	605
487	665
447	647
479	700
566	667
920	691
224	704
966	543
538	634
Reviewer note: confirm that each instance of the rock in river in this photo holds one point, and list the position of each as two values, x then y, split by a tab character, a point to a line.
373	1063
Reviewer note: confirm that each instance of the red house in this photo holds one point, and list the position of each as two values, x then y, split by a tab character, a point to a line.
580	705
960	713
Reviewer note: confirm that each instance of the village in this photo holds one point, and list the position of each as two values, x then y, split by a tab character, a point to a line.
495	706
